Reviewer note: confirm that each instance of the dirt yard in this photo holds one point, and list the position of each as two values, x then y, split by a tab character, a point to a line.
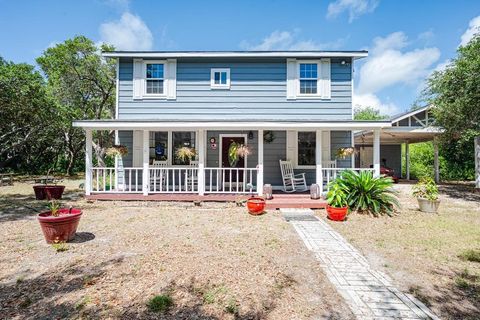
425	253
214	262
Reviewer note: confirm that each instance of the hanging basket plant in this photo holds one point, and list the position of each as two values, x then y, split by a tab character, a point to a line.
117	150
236	151
268	136
342	153
185	154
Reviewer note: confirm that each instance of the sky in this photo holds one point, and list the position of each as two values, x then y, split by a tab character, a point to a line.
407	40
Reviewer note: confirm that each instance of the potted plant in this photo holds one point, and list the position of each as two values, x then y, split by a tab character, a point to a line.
237	151
117	150
48	191
426	191
255	204
342	153
59	224
337	206
185	154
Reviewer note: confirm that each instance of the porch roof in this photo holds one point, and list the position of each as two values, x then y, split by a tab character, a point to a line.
229	125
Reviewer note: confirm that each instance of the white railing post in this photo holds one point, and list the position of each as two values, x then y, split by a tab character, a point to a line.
260	163
318	160
88	161
376	152
146	158
201	162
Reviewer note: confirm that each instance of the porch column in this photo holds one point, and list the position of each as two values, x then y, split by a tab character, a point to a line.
88	161
260	163
435	161
407	160
376	152
146	159
201	162
318	160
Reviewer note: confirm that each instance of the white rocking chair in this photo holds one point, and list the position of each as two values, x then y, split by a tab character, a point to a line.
191	177
292	182
157	175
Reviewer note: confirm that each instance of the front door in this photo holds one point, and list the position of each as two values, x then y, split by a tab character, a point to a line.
231	177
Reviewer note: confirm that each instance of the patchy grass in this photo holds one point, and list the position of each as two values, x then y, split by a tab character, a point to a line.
427	254
160	303
214	261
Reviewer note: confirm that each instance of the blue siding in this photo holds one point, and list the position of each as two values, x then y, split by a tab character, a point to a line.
258	92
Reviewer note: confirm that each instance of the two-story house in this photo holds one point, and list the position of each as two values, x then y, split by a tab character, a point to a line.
283	105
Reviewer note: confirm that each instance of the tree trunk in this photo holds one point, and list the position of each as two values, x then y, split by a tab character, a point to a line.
477	163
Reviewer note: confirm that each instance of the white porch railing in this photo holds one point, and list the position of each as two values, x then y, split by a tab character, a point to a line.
110	179
230	180
173	179
330	174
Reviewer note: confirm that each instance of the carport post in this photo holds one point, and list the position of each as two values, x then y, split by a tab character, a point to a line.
376	152
407	160
435	161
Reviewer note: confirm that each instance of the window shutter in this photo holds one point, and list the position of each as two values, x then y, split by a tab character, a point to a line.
137	154
171	83
325	82
291	78
291	146
326	153
138	78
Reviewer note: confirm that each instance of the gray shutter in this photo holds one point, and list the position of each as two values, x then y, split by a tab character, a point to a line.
138	79
325	75
137	154
326	152
291	78
292	146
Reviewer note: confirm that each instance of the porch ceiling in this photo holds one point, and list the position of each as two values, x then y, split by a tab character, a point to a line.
228	125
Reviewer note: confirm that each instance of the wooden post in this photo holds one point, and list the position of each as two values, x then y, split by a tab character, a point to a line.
477	163
88	161
146	162
407	160
260	163
376	152
435	161
318	160
201	162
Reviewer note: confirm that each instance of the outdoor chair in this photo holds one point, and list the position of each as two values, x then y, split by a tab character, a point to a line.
292	182
157	174
191	177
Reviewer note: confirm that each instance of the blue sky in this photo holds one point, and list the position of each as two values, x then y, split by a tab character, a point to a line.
406	39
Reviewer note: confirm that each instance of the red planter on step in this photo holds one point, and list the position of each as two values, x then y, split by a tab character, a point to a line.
337	214
256	205
43	192
61	228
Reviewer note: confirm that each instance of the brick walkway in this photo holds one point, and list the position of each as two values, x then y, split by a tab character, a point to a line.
369	293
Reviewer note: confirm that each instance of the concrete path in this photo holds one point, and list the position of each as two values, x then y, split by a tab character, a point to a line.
369	293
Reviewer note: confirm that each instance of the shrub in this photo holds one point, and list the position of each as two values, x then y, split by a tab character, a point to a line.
160	303
426	188
368	194
471	255
336	197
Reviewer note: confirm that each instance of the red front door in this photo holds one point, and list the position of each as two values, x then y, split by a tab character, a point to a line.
230	176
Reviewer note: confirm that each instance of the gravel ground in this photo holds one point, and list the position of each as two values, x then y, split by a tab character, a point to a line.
422	252
214	261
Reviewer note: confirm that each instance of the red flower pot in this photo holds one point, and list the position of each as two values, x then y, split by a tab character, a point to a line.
337	214
256	205
43	192
60	228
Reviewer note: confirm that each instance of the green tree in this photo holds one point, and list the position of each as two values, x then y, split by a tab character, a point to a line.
82	86
28	131
368	113
454	94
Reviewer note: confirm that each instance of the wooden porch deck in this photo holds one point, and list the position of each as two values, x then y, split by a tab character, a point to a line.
280	200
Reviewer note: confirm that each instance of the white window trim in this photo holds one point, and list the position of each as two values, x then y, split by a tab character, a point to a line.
170	145
317	95
296	165
293	156
146	95
213	85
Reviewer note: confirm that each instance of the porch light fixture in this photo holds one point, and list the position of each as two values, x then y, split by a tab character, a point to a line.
250	135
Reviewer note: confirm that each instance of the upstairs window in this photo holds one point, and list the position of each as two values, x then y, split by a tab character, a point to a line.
308	78
220	79
154	78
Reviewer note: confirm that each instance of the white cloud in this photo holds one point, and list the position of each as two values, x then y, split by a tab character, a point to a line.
128	33
473	27
355	8
289	40
371	100
389	66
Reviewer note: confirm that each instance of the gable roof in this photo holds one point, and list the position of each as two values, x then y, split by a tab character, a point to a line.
237	54
409	113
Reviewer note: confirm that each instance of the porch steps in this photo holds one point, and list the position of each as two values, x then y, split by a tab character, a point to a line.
300	201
